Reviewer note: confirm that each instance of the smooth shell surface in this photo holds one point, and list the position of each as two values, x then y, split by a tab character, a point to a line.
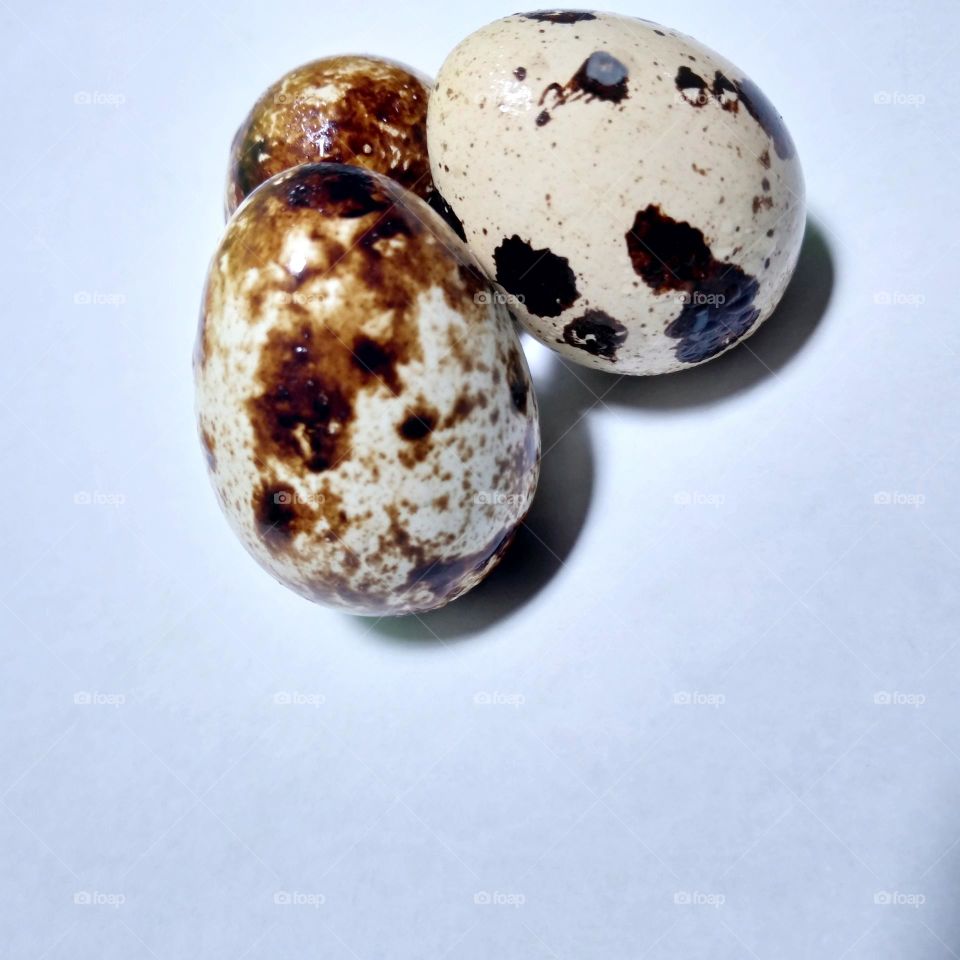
636	194
359	110
362	396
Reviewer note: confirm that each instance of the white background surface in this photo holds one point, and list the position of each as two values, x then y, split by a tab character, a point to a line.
782	800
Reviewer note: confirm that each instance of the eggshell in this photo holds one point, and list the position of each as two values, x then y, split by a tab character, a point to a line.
634	193
360	110
366	409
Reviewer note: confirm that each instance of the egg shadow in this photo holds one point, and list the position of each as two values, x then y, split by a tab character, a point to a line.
547	535
780	338
566	393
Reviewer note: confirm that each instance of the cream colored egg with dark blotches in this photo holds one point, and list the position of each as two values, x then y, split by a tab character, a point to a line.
367	412
362	110
634	192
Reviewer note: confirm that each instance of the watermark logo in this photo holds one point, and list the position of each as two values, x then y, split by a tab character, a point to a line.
87	698
286	498
294	698
297	898
695	96
95	298
495	296
98	98
300	298
897	298
98	498
697	898
897	98
698	498
698	298
496	698
299	100
96	898
896	498
896	698
896	898
497	498
496	898
695	698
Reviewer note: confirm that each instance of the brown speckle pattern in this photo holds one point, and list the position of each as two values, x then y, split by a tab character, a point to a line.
349	371
349	109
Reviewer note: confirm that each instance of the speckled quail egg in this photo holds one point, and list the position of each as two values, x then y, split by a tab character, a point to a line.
360	110
362	396
634	193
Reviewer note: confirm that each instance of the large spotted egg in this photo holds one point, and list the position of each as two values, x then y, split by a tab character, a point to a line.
634	193
362	396
361	110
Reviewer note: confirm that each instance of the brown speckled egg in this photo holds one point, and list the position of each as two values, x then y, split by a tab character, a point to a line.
348	109
365	405
636	193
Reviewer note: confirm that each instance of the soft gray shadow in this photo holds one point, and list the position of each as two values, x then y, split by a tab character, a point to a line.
566	482
779	339
546	537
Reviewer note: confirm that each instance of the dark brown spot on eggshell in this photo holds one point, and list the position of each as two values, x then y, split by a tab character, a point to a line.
304	412
717	313
765	113
447	212
666	254
376	360
597	333
309	375
717	303
541	279
600	77
463	407
275	508
725	92
517	382
729	94
340	192
559	16
686	81
418	425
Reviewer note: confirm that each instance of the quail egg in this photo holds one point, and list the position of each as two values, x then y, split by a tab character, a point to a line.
351	109
634	194
362	396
